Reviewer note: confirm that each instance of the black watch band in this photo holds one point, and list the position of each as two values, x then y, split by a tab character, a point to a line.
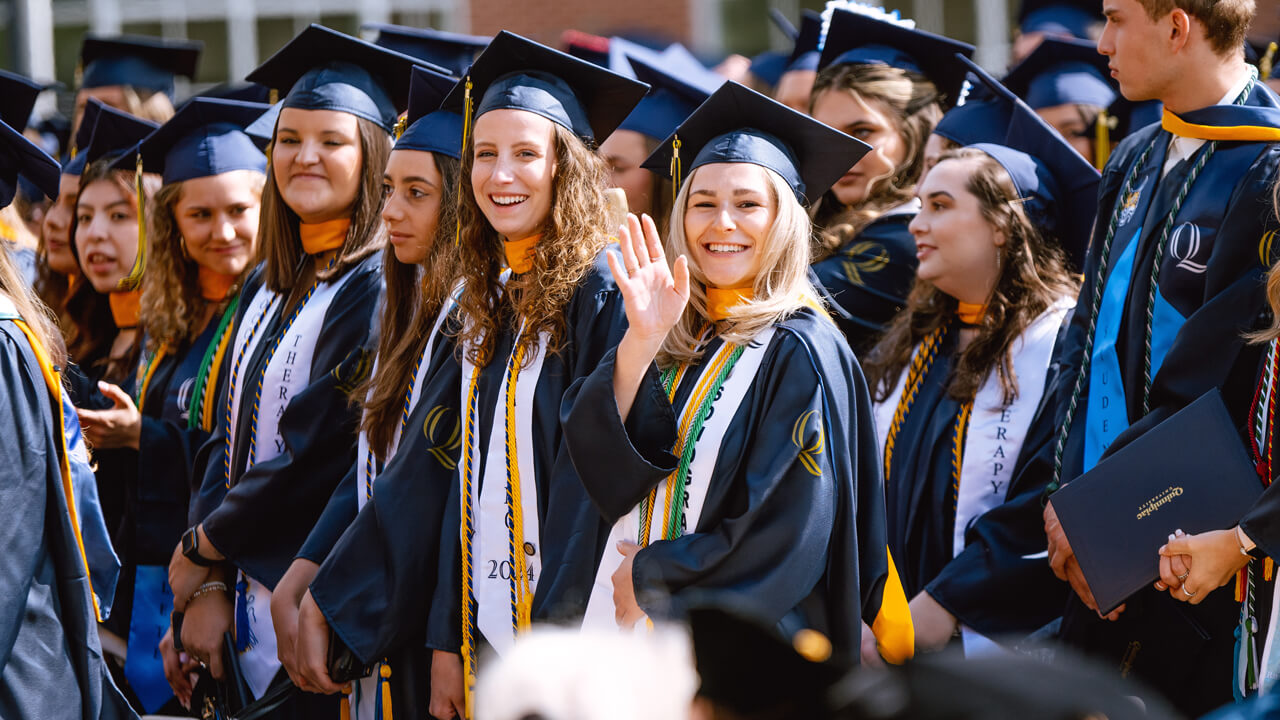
191	549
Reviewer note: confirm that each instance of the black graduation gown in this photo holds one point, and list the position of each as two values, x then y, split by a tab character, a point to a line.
805	549
1181	650
369	598
867	280
266	515
51	662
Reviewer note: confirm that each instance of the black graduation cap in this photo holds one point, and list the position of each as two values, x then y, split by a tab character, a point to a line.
979	119
738	124
748	667
517	73
805	54
673	95
449	50
206	137
111	132
19	93
136	60
1072	18
857	39
769	66
1058	187
429	128
323	69
1130	116
1063	71
20	156
242	91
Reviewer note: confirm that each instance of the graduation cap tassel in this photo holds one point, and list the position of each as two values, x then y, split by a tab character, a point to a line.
134	278
1102	140
1266	64
384	691
401	123
675	168
466	135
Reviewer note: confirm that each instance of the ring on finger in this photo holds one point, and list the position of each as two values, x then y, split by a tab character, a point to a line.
1183	576
1188	593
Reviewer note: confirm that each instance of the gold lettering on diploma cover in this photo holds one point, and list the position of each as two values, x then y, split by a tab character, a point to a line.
1166	496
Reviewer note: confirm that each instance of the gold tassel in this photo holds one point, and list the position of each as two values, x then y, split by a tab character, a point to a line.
134	278
385	672
1102	140
401	123
1267	63
273	96
344	708
675	168
466	135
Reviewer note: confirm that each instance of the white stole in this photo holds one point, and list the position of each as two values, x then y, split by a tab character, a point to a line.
491	566
288	371
996	431
600	607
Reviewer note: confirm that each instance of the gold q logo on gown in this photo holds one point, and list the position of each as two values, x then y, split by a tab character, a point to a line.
808	455
864	257
445	437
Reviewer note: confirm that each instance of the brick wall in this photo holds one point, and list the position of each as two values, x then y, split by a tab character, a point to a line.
544	20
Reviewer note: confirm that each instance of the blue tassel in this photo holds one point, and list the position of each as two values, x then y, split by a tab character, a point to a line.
245	638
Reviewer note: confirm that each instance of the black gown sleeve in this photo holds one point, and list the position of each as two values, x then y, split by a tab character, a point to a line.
266	516
335	518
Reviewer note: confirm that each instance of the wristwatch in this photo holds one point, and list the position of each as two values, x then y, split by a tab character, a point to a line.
191	549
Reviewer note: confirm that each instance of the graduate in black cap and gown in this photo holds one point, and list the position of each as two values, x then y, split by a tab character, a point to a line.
420	186
133	73
959	377
885	84
526	544
1175	265
1068	84
796	83
17	236
202	226
1041	19
451	51
286	431
51	662
729	437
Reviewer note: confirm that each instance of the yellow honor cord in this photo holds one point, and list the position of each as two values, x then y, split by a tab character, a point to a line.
145	383
519	566
468	579
54	385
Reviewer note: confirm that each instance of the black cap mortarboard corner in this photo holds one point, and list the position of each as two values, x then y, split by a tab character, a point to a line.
1070	18
747	667
451	51
1063	71
20	156
768	66
430	129
737	124
1058	187
673	95
205	138
805	54
323	69
19	93
113	132
137	61
980	119
856	39
517	73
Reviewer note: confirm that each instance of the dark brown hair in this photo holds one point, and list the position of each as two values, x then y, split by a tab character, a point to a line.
1033	275
572	236
93	329
415	294
279	240
913	104
1225	21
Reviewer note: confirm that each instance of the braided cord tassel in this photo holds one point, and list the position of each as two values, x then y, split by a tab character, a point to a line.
521	597
231	393
920	364
468	533
957	450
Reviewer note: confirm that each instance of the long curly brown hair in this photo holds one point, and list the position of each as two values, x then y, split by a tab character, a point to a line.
93	329
1033	276
573	234
280	242
414	296
914	106
172	305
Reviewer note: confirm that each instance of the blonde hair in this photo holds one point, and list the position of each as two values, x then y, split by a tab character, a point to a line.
172	304
147	104
780	288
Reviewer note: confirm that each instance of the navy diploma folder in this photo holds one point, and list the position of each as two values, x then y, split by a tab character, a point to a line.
1189	472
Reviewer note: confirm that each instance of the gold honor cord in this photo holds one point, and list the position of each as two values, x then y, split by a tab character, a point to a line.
957	450
144	383
916	372
468	530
